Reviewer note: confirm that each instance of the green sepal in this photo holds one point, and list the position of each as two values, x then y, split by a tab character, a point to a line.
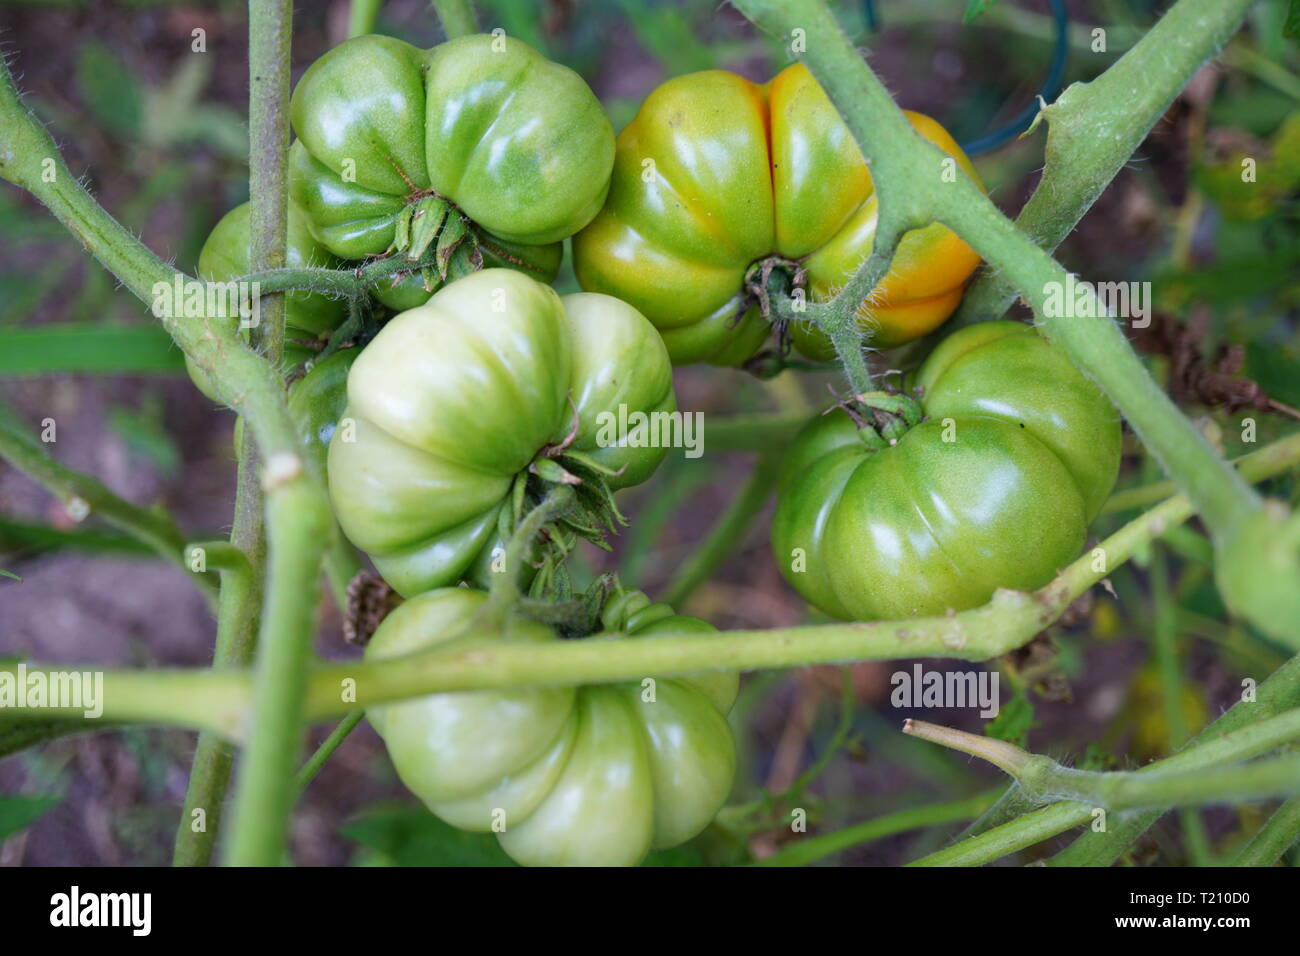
402	230
426	220
453	233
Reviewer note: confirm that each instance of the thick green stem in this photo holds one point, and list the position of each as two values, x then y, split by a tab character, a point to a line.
84	495
1278	834
1278	694
265	793
1043	779
362	16
1009	620
298	527
457	17
237	614
1095	127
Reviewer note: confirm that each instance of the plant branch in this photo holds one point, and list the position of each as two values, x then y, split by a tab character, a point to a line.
1044	780
1008	621
1095	127
457	17
299	525
237	614
1278	834
1277	695
326	750
83	495
728	531
362	15
827	844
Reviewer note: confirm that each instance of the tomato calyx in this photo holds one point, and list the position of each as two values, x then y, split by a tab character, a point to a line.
429	220
882	417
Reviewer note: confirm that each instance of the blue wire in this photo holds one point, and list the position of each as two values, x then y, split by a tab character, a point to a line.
1050	88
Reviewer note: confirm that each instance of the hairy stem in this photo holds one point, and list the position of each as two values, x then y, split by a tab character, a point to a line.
214	757
1095	127
1277	695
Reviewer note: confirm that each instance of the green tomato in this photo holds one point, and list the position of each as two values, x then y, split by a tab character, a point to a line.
317	401
716	175
994	489
309	317
452	401
517	144
593	775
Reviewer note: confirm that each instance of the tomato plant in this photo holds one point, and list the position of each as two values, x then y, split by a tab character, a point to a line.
480	148
455	404
593	775
718	180
472	442
995	488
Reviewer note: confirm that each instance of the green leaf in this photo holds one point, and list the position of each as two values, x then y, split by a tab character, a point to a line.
1274	370
144	433
110	90
1291	28
409	837
1014	720
684	855
18	536
17	813
974	8
88	347
9	574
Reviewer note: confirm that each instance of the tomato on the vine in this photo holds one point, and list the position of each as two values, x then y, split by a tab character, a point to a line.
317	401
717	177
995	488
494	382
309	317
480	148
593	775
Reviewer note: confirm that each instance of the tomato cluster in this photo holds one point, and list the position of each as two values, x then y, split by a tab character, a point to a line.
440	428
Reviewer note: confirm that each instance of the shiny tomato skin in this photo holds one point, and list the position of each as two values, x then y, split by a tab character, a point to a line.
994	489
452	401
594	775
519	144
715	174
